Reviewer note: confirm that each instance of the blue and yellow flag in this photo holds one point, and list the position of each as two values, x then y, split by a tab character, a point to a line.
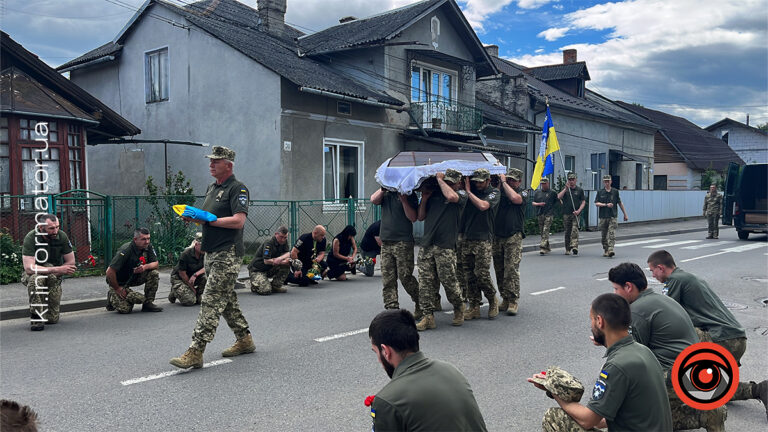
545	162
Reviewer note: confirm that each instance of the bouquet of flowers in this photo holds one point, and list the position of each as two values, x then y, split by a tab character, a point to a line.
362	261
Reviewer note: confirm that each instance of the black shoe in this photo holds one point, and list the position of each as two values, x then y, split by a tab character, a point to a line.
575	251
37	326
150	307
760	391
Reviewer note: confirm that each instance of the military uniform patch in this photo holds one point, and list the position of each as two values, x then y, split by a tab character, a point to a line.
524	194
492	195
599	390
243	198
219	195
665	289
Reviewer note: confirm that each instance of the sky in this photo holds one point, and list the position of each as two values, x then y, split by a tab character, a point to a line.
703	60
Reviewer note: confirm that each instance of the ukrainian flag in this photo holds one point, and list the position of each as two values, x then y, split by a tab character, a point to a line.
545	164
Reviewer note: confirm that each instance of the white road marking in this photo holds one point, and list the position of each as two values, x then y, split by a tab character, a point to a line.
341	335
601	279
746	247
677	243
706	245
171	373
632	243
547	291
704	256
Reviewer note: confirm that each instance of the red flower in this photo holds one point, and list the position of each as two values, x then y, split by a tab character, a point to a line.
142	260
374	260
369	400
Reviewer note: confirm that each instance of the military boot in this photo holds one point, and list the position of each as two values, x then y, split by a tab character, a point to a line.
611	253
191	358
458	316
428	322
472	313
760	391
714	420
512	307
150	307
504	305
171	297
418	314
493	307
110	307
242	346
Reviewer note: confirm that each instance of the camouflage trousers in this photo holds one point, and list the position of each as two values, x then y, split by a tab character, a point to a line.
545	223
571	226
460	275
713	225
685	417
397	263
219	298
437	265
737	347
260	281
507	253
607	228
44	297
476	256
184	294
557	420
150	279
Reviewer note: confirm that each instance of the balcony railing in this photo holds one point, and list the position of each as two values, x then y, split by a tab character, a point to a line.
447	116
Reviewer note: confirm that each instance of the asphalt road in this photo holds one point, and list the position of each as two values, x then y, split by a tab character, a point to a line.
314	367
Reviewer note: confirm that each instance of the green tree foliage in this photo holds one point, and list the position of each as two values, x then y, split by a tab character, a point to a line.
710	176
763	127
11	264
170	234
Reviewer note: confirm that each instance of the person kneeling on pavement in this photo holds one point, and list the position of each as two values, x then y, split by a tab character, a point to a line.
342	256
310	250
188	277
272	261
134	264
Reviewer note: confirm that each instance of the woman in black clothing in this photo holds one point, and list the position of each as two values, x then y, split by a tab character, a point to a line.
342	256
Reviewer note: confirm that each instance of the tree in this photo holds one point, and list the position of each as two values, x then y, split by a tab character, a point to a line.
763	127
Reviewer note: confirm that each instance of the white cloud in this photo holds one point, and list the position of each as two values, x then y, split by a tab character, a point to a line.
532	4
676	56
553	34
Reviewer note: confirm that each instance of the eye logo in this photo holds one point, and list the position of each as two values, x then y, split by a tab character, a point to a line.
705	376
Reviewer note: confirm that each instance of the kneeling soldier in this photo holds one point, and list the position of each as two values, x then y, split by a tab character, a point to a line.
135	264
272	261
188	277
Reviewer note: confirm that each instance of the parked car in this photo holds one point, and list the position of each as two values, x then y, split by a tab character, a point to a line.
745	202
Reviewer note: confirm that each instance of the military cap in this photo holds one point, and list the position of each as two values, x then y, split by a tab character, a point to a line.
545	179
220	152
480	175
561	383
606	177
515	174
452	176
571	176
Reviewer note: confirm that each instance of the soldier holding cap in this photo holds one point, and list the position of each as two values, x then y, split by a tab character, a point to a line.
573	200
544	200
134	264
606	200
227	198
272	260
713	205
508	228
476	246
440	210
629	387
188	277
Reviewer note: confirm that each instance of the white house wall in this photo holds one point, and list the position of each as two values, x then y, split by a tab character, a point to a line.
210	101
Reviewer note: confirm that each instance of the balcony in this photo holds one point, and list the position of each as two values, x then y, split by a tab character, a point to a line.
447	116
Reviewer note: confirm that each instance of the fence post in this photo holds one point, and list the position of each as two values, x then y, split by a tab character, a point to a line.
108	226
136	211
350	211
51	204
294	223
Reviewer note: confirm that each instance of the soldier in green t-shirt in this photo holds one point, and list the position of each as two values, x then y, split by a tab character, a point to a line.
713	205
271	261
713	321
544	200
572	197
188	277
134	264
606	200
508	230
47	255
629	393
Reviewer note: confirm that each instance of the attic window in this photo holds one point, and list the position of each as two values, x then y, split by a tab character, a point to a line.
344	108
156	75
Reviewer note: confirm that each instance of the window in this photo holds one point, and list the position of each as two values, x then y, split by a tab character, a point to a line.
156	75
659	182
342	169
41	176
27	130
5	163
344	108
570	163
638	176
75	157
431	84
598	162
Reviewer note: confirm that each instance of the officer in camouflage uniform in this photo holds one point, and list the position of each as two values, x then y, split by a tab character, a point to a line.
188	277
440	210
544	200
43	278
227	198
272	260
398	213
508	238
606	200
713	206
665	328
134	264
477	244
572	197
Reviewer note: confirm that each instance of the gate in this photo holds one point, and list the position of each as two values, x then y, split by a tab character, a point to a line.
84	216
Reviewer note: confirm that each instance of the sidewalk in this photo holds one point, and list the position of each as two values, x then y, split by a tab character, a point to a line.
91	292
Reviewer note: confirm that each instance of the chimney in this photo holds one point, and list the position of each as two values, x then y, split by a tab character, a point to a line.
569	56
272	14
747	119
346	19
492	50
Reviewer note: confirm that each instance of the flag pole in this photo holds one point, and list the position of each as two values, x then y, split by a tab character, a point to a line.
562	163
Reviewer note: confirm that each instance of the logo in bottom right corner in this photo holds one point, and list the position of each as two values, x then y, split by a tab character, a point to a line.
705	376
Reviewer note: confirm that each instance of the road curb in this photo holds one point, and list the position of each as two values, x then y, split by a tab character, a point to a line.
78	305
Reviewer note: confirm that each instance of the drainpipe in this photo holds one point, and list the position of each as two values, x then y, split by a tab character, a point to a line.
350	98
